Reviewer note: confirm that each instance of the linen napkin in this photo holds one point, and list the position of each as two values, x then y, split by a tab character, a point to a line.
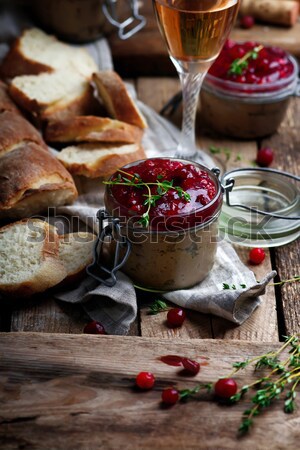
116	307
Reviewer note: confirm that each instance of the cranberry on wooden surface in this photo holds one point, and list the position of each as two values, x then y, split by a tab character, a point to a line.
145	380
191	366
256	255
94	327
225	388
247	22
176	317
265	156
170	396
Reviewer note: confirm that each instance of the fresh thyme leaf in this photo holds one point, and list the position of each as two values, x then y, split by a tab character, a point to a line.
226	286
158	306
218	150
238	65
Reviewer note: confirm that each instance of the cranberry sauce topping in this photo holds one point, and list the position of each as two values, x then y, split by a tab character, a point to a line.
268	66
180	193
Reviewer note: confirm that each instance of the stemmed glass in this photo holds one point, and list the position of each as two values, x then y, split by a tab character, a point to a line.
195	32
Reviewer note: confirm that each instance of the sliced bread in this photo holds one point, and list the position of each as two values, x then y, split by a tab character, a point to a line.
31	180
53	95
116	98
29	260
6	103
92	129
99	160
35	52
76	252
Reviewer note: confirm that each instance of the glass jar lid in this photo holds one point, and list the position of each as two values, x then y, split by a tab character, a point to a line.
262	209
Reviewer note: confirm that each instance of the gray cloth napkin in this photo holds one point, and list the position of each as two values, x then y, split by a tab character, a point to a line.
116	307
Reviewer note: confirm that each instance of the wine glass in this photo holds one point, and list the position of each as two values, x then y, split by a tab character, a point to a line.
195	32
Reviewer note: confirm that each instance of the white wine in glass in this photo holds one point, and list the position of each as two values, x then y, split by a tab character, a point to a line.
195	32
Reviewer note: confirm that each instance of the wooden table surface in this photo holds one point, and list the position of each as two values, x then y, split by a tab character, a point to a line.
57	385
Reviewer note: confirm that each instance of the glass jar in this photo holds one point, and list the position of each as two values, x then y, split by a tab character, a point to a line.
173	251
87	20
244	110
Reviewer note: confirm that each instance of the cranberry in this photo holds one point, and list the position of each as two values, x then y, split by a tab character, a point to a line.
265	156
145	380
225	388
256	256
94	327
176	317
247	22
170	396
191	366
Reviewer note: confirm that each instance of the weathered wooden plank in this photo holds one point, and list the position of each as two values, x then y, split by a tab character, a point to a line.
66	391
287	157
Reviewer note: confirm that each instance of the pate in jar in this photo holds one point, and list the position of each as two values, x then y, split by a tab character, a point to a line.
167	210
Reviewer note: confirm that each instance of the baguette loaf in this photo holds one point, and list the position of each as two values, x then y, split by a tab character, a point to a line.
117	99
35	52
91	129
14	129
29	260
99	160
31	180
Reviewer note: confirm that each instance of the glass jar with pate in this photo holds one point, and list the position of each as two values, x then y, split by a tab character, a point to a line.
167	212
247	90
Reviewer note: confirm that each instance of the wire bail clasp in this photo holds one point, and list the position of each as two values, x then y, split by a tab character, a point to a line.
109	10
107	234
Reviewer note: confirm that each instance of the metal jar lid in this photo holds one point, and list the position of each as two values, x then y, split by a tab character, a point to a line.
263	208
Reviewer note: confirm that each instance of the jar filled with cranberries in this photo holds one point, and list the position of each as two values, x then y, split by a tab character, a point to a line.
247	90
167	211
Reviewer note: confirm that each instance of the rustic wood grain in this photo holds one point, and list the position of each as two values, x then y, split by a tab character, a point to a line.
287	157
72	391
145	54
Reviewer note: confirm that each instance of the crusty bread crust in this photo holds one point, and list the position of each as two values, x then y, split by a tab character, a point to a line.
6	103
15	130
51	270
117	99
27	171
92	129
103	167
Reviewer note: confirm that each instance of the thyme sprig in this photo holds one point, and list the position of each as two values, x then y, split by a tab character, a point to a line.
294	279
238	65
282	380
162	187
158	306
184	394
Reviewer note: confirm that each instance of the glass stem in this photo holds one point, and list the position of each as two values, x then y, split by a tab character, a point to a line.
190	84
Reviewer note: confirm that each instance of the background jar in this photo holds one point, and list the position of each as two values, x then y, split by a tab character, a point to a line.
246	111
175	259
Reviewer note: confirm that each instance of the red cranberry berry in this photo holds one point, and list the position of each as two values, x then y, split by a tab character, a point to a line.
225	388
191	366
247	22
265	156
145	380
176	317
94	327
256	256
170	396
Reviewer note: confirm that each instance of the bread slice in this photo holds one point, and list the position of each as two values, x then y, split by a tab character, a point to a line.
54	95
91	129
99	160
117	99
29	260
16	130
35	52
31	180
76	252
